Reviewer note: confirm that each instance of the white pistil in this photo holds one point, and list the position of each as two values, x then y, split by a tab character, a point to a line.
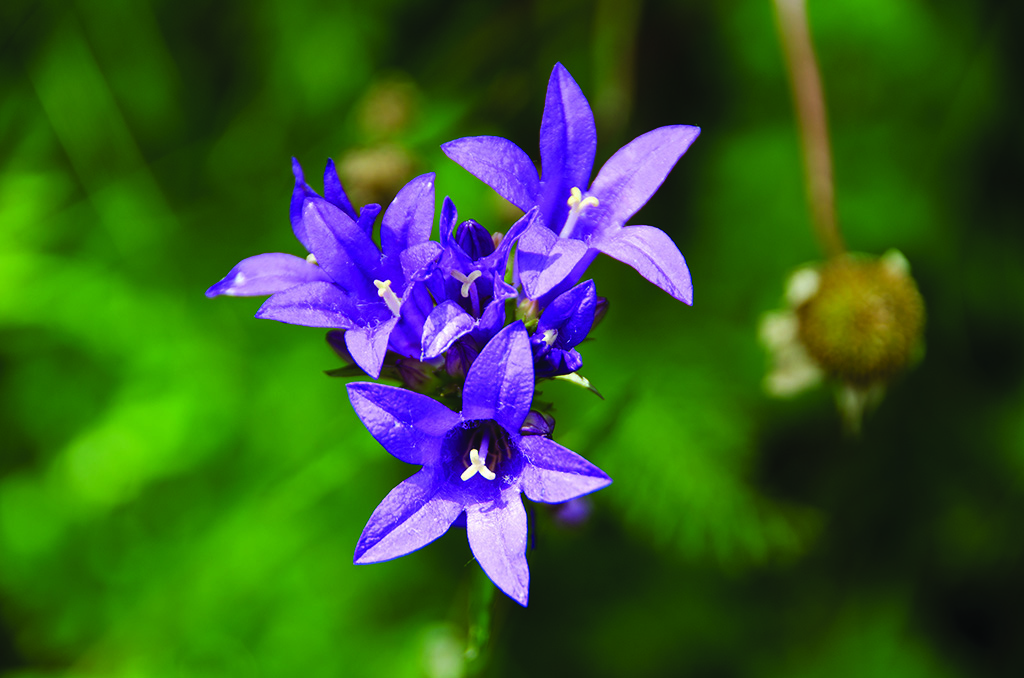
577	203
311	258
550	336
477	466
466	280
385	292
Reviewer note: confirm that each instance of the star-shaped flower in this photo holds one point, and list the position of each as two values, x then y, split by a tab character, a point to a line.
582	219
348	282
476	462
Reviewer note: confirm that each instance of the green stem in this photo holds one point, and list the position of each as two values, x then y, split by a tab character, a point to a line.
481	597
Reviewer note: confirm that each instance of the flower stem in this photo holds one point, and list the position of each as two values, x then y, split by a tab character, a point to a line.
810	111
481	596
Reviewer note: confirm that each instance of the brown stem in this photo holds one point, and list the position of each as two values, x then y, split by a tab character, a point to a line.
810	112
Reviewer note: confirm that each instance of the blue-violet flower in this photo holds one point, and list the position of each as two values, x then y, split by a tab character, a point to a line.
582	219
476	462
348	282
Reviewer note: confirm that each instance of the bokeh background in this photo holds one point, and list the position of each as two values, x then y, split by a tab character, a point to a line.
181	487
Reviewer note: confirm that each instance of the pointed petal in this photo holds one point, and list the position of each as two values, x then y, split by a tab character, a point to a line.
568	142
499	385
266	274
498	260
315	304
631	176
299	195
409	425
497	536
369	345
367	216
449	215
571	315
335	193
406	338
410	216
653	254
446	323
500	164
410	517
554	473
341	247
544	260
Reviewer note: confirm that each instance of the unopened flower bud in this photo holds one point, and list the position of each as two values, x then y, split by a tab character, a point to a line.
474	239
538	424
600	310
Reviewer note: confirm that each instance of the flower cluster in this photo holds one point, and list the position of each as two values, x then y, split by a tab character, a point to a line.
466	335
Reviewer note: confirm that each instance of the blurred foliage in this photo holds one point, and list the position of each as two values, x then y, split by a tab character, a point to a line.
181	488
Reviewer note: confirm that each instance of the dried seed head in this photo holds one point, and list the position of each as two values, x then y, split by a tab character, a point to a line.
864	321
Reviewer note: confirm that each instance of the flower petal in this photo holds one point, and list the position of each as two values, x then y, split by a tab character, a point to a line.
409	425
410	517
299	194
315	304
410	216
267	274
631	176
497	537
341	247
369	345
568	143
570	315
367	217
553	473
500	164
446	224
418	261
654	256
334	192
499	385
445	324
544	260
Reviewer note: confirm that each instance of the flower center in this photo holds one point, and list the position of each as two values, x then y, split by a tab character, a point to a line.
481	447
550	336
577	203
385	292
477	464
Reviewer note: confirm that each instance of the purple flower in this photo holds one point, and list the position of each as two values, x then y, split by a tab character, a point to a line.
562	326
348	282
468	283
476	462
582	221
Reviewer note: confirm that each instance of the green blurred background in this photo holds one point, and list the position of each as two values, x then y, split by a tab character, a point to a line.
181	487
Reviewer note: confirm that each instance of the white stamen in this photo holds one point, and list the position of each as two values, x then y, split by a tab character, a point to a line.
477	466
550	336
311	258
466	280
385	292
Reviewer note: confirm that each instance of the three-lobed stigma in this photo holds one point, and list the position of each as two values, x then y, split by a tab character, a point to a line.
466	280
577	202
477	465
